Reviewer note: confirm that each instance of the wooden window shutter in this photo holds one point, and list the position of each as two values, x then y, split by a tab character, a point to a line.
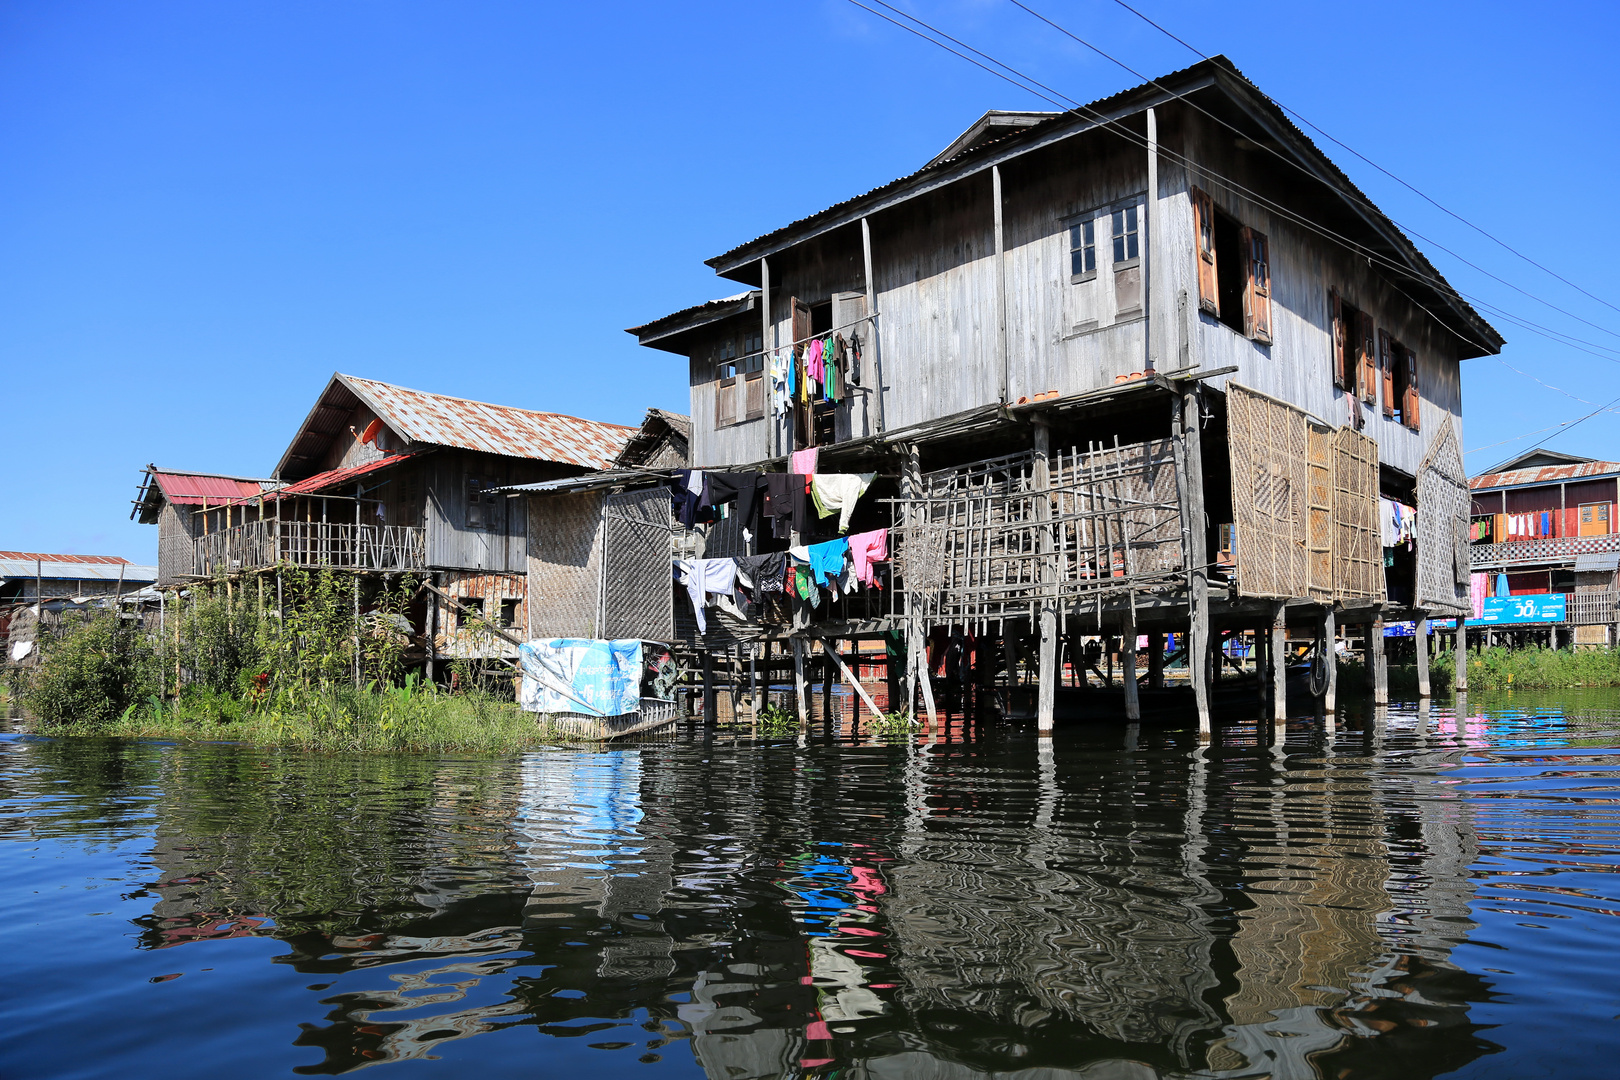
1409	411
1386	367
1367	350
1257	287
1204	232
725	401
754	395
1339	344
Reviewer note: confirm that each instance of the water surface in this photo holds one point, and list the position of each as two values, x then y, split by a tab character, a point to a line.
1406	895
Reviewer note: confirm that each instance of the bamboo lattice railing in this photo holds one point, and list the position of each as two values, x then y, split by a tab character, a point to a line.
313	544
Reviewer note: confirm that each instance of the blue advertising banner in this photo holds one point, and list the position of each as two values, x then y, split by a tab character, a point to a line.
1539	608
581	675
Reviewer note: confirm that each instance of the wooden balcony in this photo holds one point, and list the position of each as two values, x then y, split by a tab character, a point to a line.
1591	608
311	544
1542	549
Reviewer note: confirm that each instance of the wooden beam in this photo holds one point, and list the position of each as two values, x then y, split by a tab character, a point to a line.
1459	657
1003	361
1156	659
801	691
871	313
850	675
1330	635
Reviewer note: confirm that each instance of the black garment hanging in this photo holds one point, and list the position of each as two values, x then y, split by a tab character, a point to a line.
768	572
741	488
683	498
787	503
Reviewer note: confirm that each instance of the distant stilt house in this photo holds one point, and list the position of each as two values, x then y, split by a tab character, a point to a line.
1545	549
36	585
381	481
1143	368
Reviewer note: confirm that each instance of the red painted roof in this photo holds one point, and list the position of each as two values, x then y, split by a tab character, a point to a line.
333	477
1548	474
193	489
40	556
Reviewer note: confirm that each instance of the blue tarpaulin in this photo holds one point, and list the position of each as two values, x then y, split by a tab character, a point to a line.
581	675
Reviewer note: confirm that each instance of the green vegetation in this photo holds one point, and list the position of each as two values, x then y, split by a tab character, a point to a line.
226	666
1532	668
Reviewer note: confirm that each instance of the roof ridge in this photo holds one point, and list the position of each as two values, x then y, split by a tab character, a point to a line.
487	404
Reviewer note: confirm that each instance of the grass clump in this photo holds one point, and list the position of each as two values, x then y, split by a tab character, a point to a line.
1529	668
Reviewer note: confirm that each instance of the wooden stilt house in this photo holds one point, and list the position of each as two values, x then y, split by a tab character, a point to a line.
1139	368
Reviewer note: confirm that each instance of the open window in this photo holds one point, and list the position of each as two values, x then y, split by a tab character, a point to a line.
509	612
1355	350
484	507
470	612
1234	270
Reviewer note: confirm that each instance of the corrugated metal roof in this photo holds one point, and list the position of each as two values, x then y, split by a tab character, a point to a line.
194	489
494	429
1547	474
75	571
333	477
1597	561
48	557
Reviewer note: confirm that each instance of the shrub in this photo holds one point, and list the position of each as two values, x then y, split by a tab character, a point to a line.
93	670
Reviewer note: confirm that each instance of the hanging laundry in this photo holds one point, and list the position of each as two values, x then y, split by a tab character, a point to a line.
768	573
827	560
865	549
1479	585
1388	523
686	493
1546	523
780	374
742	488
705	579
838	493
1502	585
787	505
840	368
804	461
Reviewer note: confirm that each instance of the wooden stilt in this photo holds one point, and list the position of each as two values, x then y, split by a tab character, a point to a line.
801	689
1127	664
829	725
711	696
755	695
926	681
1330	635
850	675
1046	694
1279	662
1420	645
1156	660
1188	442
1459	657
1380	663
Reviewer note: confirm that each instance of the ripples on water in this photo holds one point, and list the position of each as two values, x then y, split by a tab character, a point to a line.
1412	895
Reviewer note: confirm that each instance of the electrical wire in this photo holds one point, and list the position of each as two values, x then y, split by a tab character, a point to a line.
1347	193
1041	90
1352	150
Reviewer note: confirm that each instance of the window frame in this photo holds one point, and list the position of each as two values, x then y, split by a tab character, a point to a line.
1088	221
1133	207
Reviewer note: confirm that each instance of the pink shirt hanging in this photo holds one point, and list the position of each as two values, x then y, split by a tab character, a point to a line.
865	549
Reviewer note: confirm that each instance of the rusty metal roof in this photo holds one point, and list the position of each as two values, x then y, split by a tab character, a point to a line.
191	489
1547	474
419	418
44	557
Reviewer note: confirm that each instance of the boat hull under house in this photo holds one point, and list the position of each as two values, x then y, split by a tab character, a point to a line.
1141	368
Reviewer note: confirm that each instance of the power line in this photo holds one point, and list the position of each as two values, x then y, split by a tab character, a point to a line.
1351	194
1351	150
1036	88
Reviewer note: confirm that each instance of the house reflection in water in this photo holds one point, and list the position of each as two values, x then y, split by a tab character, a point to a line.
951	911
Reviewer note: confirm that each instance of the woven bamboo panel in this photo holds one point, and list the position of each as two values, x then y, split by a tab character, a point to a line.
1269	463
1442	524
636	590
994	540
565	551
1358	554
1319	443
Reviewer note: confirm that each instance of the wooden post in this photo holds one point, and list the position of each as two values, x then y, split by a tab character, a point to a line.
893	675
850	675
1330	634
773	444
1148	221
801	690
1279	662
1156	660
1379	663
756	704
871	314
711	696
1002	352
858	693
1459	657
1188	442
829	727
925	679
1046	673
1420	648
1127	661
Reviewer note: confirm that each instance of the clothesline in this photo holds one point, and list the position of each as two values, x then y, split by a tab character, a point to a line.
801	341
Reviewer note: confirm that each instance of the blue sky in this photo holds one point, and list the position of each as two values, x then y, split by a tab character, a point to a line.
205	208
